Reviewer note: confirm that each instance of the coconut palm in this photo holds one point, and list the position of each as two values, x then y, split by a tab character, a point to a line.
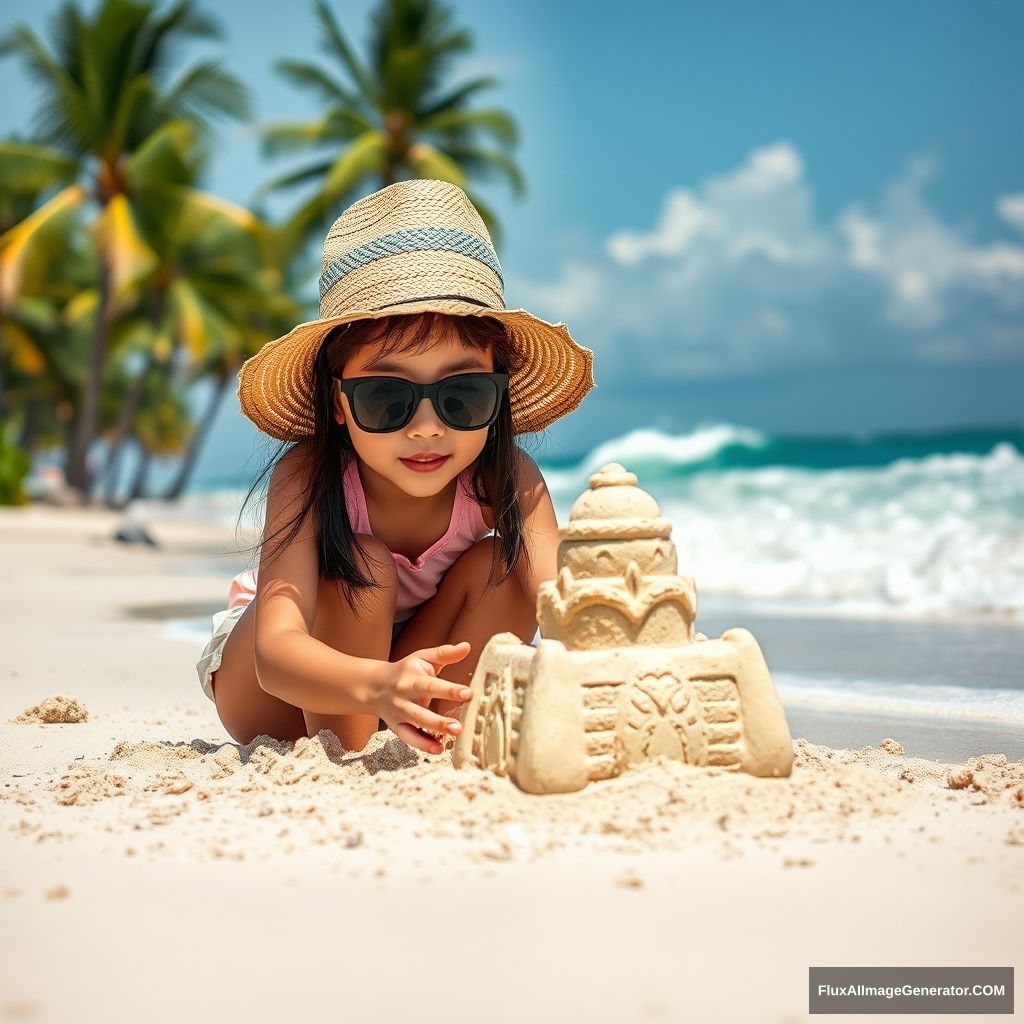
212	274
106	91
395	117
260	309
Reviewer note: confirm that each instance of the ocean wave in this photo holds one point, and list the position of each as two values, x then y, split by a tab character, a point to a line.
937	534
883	525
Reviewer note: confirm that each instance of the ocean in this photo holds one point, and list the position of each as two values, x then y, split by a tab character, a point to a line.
883	574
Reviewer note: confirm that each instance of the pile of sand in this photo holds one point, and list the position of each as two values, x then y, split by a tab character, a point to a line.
270	798
59	708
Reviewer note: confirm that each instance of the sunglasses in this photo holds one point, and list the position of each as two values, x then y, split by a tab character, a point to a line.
465	401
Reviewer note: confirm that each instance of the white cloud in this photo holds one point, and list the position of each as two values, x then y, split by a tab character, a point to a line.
925	263
573	294
1011	209
763	208
739	274
682	220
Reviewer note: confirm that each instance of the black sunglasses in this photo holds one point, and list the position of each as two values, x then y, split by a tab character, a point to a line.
465	401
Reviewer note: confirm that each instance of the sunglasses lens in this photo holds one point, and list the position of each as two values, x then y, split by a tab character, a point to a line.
382	405
467	401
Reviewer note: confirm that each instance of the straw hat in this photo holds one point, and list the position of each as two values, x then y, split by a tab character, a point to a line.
413	246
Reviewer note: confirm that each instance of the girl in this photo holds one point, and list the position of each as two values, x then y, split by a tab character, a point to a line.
377	568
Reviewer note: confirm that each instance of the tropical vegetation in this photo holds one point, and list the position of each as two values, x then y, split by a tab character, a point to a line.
124	283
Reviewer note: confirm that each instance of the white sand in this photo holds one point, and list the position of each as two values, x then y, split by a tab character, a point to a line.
153	869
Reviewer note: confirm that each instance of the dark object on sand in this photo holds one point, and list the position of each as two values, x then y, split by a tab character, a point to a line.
134	533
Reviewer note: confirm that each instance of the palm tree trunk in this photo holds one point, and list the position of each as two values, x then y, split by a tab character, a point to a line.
124	424
131	405
30	425
188	463
77	472
139	486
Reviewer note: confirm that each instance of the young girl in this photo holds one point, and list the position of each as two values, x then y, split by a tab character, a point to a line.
378	570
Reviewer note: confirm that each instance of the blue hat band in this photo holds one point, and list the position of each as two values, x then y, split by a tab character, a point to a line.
409	240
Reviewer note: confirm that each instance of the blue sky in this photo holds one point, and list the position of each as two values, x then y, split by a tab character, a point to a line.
801	217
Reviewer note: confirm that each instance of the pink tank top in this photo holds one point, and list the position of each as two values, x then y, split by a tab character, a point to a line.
418	580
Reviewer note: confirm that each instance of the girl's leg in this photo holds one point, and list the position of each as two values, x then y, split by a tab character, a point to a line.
368	636
464	608
247	710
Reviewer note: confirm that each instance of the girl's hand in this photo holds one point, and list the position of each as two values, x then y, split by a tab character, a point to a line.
409	684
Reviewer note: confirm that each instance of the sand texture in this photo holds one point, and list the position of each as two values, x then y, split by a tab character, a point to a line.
154	869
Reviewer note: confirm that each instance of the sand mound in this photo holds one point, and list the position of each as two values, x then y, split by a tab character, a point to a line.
58	709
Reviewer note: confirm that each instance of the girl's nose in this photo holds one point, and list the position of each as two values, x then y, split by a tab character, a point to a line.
426	419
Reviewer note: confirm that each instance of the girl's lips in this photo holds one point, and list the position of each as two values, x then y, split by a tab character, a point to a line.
425	467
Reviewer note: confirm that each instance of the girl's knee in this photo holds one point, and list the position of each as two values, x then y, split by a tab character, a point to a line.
338	605
473	569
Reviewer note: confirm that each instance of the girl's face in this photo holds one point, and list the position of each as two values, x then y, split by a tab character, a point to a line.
425	432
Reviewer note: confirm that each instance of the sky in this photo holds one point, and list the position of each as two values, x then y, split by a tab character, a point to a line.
805	218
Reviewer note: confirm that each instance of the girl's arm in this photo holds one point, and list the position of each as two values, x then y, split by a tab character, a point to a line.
540	537
301	670
290	663
540	529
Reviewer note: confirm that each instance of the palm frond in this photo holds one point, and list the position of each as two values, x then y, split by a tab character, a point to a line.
206	89
428	161
292	136
486	161
27	168
180	21
365	156
335	43
308	76
458	122
169	154
459	95
32	239
293	178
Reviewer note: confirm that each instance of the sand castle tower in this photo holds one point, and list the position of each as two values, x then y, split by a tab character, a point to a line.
619	675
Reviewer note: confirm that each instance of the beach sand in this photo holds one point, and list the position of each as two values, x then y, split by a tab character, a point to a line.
154	869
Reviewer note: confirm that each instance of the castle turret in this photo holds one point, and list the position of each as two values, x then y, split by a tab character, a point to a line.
617	583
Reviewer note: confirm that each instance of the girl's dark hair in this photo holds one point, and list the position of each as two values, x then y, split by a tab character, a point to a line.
329	449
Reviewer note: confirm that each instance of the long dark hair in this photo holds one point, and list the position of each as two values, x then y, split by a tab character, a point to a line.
329	449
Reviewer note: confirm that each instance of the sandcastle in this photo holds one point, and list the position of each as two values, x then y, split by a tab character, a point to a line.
619	675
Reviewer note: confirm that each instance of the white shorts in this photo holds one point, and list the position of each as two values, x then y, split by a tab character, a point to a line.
221	625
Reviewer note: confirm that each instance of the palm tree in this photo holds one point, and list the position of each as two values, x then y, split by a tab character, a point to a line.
211	278
394	119
105	93
261	307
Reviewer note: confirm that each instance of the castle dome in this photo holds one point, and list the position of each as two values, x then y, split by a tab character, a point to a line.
613	508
